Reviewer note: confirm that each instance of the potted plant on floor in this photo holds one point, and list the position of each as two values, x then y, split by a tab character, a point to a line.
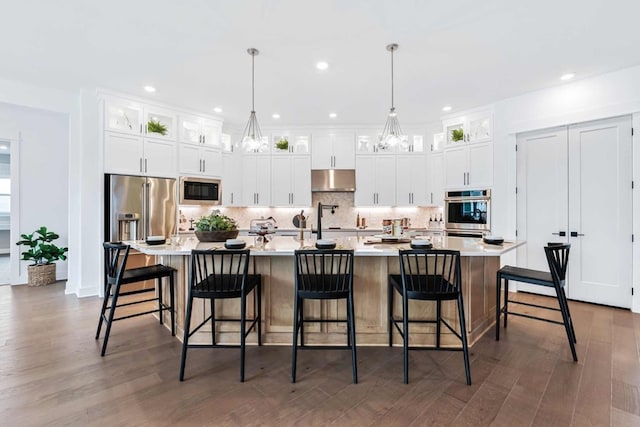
43	253
216	228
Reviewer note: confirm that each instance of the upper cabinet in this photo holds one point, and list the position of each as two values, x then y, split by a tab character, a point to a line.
198	130
468	129
333	150
412	142
134	118
437	144
286	143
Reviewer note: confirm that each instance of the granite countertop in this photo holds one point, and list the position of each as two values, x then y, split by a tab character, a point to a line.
363	246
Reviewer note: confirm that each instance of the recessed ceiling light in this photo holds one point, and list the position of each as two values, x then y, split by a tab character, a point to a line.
333	115
150	88
217	110
322	65
446	108
567	76
275	116
3	147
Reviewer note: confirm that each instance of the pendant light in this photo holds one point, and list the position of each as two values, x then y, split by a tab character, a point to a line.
391	134
252	137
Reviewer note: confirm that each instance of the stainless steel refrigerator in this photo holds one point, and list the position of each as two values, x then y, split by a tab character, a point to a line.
137	207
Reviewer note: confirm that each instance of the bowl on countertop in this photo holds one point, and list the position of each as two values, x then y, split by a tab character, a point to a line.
155	240
493	240
325	244
234	244
421	244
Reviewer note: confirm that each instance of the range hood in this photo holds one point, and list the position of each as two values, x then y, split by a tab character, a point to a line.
333	180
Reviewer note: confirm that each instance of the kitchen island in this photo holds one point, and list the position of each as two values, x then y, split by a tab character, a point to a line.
373	263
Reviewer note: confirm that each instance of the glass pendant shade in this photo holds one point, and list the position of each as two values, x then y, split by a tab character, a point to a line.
251	136
392	133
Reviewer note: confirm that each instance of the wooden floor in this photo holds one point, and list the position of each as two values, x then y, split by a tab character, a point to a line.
51	373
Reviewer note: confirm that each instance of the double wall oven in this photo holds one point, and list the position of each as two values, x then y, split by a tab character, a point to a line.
467	213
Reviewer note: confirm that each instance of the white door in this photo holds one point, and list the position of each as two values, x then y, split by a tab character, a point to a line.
542	200
600	211
576	181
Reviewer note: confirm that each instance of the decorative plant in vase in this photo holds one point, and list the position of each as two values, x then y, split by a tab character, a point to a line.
216	227
283	144
155	126
43	253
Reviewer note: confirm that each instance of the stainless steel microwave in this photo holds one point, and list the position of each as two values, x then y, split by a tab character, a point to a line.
200	191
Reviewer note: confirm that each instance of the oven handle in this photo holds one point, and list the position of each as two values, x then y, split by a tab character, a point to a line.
466	199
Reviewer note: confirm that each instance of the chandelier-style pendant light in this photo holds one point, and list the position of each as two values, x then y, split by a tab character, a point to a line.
391	134
252	137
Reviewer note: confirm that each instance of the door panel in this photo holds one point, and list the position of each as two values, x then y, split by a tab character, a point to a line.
542	197
600	197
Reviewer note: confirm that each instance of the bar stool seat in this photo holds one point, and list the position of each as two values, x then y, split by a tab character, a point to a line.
557	258
115	258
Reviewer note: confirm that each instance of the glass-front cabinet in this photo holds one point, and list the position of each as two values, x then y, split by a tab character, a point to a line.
285	143
159	123
122	116
411	143
468	129
198	130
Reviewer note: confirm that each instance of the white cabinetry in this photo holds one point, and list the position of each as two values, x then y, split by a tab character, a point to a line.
135	155
200	160
256	180
231	179
469	129
333	150
375	181
411	180
285	143
469	166
436	179
290	181
199	130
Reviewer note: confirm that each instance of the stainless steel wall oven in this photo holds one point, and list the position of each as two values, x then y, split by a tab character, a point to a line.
467	212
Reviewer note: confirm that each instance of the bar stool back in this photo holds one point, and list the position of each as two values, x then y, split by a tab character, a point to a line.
222	274
116	276
558	258
429	275
323	274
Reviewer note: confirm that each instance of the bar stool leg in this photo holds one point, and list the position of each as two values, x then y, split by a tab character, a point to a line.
566	303
498	304
301	308
294	350
463	334
172	301
506	301
185	340
390	311
112	310
438	320
259	290
243	334
352	329
405	336
567	323
105	300
160	299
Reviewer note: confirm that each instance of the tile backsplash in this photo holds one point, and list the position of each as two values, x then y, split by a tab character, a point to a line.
344	216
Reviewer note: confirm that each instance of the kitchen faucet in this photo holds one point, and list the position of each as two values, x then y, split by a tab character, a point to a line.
321	207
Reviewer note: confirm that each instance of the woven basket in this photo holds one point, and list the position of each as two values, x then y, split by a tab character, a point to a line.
40	275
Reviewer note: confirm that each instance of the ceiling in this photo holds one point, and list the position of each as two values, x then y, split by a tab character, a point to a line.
461	53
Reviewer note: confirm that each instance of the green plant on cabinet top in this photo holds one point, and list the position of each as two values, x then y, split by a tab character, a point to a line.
457	135
283	144
41	251
154	126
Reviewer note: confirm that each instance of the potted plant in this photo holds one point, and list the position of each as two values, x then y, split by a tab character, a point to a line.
457	135
216	228
43	253
155	126
283	144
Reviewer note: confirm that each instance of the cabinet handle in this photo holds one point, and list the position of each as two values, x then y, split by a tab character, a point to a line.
431	197
141	130
141	165
199	138
560	233
204	139
204	165
145	166
576	234
231	198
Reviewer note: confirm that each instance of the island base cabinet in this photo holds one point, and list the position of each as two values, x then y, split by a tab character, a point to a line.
370	300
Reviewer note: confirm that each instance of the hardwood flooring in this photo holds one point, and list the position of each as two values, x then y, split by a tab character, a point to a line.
51	373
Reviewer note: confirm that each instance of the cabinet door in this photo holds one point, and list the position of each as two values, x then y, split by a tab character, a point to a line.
211	133
281	180
480	172
411	181
479	127
322	151
159	123
190	161
301	184
189	129
160	158
344	151
301	145
231	180
365	181
436	179
122	116
455	167
438	142
385	177
123	154
211	161
263	184
249	178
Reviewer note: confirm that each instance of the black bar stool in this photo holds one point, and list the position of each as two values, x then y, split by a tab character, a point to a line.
222	274
557	258
429	275
115	261
323	275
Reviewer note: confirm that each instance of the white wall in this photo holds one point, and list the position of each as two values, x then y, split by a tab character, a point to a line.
42	175
608	95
